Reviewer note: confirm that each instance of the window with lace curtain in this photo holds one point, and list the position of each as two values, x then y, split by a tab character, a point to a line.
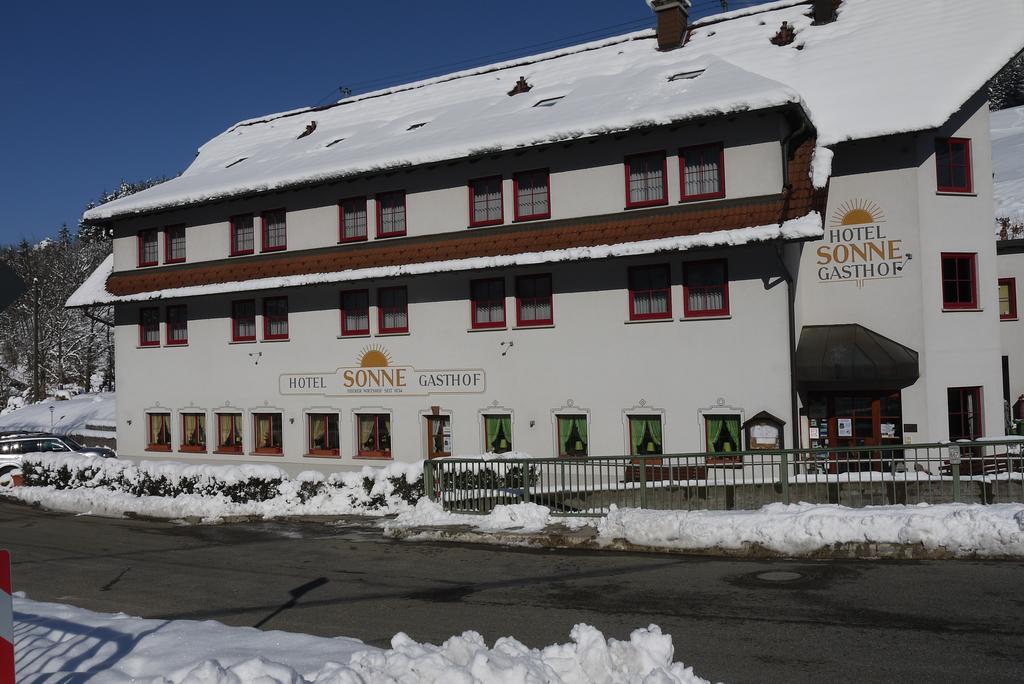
533	300
532	195
488	303
323	434
485	201
229	433
646	183
705	288
355	312
149	247
275	318
174	244
373	435
193	432
391	213
158	432
702	172
275	231
267	435
352	219
149	327
393	310
650	292
243	238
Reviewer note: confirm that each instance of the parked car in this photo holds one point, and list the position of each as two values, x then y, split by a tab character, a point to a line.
14	445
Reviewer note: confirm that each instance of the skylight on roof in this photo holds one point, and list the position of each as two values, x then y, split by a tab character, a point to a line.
416	125
686	75
334	142
549	102
237	161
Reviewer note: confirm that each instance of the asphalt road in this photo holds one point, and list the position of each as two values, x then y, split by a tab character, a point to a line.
835	621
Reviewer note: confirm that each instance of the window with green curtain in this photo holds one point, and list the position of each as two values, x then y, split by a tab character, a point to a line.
498	432
572	435
645	435
723	433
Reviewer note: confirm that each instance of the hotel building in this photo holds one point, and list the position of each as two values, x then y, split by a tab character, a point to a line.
769	228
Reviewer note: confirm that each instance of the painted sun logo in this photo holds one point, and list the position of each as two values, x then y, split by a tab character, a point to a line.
857	212
374	356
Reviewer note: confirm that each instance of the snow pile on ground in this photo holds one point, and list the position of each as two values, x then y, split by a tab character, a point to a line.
797	529
85	415
1008	162
165	489
524	517
52	639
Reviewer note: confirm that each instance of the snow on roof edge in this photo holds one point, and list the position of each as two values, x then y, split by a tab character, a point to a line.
808	226
94	288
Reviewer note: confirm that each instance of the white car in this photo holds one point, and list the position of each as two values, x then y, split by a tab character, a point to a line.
14	445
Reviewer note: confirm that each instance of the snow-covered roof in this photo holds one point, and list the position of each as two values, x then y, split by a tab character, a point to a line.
883	67
1008	162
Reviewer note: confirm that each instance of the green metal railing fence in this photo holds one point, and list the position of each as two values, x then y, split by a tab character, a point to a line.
971	472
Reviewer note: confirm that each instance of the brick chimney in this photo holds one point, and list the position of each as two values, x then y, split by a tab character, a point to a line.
672	18
825	11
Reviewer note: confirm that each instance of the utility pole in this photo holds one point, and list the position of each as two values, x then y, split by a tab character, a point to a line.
35	339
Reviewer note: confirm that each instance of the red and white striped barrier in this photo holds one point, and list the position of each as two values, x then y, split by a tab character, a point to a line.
6	620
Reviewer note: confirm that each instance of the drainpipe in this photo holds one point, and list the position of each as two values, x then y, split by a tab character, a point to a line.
788	144
794	410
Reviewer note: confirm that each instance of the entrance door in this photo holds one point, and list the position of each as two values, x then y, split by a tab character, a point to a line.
858	419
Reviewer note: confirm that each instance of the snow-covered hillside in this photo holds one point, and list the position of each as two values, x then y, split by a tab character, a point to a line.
1008	162
85	415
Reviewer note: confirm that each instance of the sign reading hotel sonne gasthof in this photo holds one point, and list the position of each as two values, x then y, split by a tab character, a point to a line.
376	376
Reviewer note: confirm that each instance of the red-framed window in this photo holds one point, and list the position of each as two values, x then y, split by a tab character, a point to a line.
355	312
1007	299
149	327
486	201
149	247
650	292
487	300
965	414
323	435
266	434
177	324
193	432
174	244
702	172
352	219
275	318
243	239
391	214
705	288
374	435
953	165
274	232
534	304
158	432
393	310
243	320
532	192
959	281
646	180
229	433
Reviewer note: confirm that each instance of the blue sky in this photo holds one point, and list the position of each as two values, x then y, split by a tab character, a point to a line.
97	92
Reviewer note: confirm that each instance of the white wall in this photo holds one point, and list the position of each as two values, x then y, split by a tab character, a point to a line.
592	358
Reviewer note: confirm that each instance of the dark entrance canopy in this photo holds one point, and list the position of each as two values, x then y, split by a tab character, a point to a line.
851	357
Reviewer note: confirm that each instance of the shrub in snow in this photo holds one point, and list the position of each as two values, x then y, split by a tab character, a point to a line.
383	490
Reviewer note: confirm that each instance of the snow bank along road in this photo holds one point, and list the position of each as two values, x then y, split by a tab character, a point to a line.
845	621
